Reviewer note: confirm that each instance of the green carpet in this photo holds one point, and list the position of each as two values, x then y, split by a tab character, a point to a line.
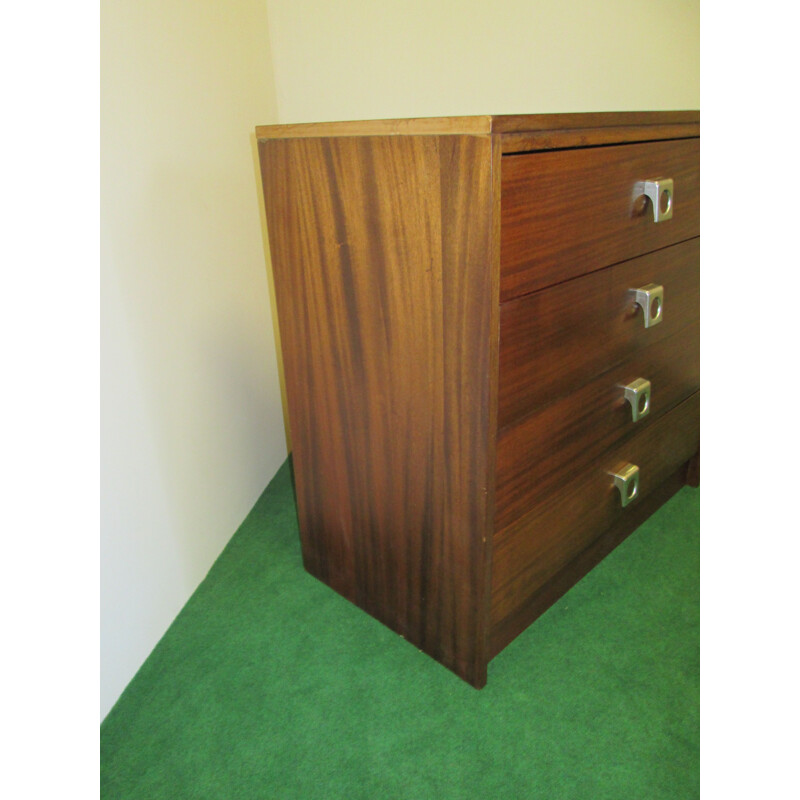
270	685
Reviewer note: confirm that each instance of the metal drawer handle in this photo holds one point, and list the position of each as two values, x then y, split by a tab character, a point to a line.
660	193
651	300
637	393
626	479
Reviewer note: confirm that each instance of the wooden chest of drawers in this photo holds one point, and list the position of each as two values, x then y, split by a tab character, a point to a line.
481	404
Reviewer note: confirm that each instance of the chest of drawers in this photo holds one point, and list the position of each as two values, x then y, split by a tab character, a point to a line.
490	335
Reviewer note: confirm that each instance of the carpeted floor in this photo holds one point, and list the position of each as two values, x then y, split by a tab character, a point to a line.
270	685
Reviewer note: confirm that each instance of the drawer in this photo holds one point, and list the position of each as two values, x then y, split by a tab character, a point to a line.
568	212
544	450
553	341
539	544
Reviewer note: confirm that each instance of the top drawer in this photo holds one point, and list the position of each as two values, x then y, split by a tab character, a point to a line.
568	212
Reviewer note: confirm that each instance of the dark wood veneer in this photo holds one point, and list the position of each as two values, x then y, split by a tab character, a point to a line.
381	249
455	320
593	137
553	341
537	545
593	120
544	450
569	212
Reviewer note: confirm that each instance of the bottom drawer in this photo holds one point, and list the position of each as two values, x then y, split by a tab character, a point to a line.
531	550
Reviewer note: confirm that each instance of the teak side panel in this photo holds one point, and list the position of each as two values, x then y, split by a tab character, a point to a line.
382	251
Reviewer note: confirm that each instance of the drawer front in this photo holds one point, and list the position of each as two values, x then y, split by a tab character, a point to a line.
546	449
553	341
535	547
568	212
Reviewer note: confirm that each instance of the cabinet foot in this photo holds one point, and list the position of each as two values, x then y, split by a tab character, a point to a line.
693	471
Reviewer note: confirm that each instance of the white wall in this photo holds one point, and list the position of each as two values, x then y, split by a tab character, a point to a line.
367	59
191	421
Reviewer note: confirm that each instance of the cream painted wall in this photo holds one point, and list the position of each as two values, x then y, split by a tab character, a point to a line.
191	422
367	59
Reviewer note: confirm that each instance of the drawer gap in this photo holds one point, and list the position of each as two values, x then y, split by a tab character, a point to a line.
594	272
544	149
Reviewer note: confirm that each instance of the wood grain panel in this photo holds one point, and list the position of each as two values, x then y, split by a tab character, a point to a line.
569	212
592	137
520	123
382	249
555	340
544	450
536	547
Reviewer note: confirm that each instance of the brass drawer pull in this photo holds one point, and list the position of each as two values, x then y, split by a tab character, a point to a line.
626	479
659	192
651	300
637	393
